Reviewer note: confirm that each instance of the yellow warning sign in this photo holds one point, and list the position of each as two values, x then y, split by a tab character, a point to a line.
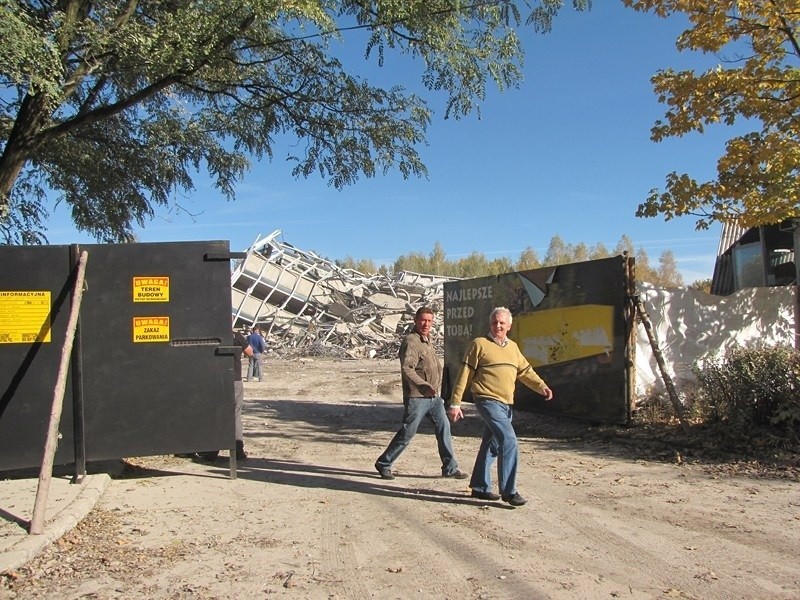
150	329
24	317
151	289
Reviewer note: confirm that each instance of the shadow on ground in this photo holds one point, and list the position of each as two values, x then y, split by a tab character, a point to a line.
354	422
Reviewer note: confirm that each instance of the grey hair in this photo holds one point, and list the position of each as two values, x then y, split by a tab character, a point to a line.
501	309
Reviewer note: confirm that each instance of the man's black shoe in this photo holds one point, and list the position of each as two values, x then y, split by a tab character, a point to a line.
384	472
210	456
485	495
515	500
455	475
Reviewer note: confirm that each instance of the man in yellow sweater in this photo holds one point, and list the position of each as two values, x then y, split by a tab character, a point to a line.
490	369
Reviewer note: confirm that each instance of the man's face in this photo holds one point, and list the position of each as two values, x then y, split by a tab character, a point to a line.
423	324
500	324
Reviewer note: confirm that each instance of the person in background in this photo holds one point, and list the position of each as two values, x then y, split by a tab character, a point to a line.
256	341
238	399
491	367
421	376
238	390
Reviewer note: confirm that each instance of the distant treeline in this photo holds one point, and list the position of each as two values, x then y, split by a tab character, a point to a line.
476	264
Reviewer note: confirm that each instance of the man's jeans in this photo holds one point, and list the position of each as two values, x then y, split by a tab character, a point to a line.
499	442
254	367
415	410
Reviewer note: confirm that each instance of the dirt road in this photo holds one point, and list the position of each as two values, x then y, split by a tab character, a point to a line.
309	518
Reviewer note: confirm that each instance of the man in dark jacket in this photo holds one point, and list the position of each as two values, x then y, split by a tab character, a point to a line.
421	376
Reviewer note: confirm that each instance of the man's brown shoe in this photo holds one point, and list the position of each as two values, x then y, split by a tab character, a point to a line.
384	472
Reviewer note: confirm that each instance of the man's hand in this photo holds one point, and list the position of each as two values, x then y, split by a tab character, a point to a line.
454	413
547	393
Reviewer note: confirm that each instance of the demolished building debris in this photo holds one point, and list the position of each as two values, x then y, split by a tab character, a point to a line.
309	305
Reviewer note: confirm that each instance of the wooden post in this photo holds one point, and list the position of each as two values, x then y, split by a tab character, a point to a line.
795	256
630	311
46	471
662	366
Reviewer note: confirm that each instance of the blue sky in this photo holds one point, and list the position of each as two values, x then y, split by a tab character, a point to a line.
568	154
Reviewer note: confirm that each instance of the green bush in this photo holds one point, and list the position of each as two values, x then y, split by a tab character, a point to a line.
748	390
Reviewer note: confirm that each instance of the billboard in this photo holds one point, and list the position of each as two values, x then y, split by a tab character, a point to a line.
572	322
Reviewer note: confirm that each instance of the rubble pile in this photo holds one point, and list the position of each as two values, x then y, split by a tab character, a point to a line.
308	305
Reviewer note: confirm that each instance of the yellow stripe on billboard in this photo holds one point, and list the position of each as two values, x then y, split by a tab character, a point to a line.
558	335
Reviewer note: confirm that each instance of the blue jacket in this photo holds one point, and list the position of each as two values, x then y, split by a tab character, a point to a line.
256	343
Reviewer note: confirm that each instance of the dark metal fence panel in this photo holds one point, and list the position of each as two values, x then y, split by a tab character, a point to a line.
152	371
157	374
34	305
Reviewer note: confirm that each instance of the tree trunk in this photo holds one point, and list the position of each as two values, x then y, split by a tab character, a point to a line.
670	386
796	240
21	144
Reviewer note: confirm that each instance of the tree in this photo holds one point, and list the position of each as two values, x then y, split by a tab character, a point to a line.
644	272
438	260
557	252
528	259
599	250
702	285
500	265
668	273
477	265
415	262
624	246
580	252
758	177
115	105
474	265
363	265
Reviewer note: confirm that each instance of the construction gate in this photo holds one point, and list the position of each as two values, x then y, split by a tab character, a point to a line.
151	369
